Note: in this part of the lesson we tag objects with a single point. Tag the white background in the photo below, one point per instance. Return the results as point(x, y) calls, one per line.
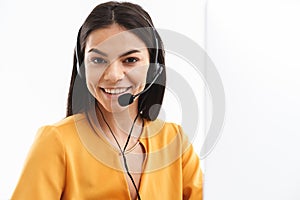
point(255, 45)
point(37, 41)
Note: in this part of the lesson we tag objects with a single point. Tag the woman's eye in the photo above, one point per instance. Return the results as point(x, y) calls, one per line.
point(98, 61)
point(131, 60)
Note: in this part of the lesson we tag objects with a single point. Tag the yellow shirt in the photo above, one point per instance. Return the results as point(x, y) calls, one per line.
point(68, 161)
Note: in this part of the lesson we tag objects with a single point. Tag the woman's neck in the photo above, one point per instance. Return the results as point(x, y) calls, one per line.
point(119, 124)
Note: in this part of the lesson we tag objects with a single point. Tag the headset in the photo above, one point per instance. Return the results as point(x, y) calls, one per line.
point(127, 98)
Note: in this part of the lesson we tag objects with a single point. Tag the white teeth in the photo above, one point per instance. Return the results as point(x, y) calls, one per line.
point(115, 91)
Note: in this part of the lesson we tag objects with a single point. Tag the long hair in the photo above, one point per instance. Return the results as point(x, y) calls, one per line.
point(131, 17)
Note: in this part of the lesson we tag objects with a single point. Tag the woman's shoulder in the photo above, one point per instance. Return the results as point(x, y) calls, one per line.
point(162, 130)
point(69, 121)
point(62, 128)
point(162, 125)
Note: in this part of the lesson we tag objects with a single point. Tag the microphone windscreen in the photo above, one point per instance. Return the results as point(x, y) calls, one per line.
point(125, 99)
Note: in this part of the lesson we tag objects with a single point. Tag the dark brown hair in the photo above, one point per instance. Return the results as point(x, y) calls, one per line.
point(131, 17)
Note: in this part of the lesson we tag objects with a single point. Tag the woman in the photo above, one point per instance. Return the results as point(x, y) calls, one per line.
point(110, 145)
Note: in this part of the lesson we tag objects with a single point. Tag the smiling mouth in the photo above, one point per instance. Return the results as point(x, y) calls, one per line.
point(115, 91)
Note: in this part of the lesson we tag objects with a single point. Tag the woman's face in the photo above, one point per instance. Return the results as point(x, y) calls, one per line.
point(116, 62)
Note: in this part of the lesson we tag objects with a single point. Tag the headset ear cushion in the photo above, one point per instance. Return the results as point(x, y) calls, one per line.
point(152, 71)
point(156, 69)
point(80, 69)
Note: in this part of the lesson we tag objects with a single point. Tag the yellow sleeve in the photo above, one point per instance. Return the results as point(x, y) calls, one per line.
point(43, 175)
point(192, 175)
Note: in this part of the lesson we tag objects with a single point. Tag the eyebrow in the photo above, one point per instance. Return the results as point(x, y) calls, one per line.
point(97, 51)
point(130, 52)
point(122, 55)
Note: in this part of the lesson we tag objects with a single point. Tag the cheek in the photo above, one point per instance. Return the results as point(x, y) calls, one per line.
point(92, 80)
point(93, 76)
point(138, 76)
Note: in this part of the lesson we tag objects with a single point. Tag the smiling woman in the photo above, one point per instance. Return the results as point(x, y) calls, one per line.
point(114, 66)
point(104, 149)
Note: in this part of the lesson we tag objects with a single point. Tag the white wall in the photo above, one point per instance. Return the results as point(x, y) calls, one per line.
point(255, 45)
point(37, 40)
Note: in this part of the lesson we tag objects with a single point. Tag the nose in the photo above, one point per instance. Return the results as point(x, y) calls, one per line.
point(114, 72)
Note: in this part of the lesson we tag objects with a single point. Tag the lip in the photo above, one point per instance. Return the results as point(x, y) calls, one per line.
point(113, 92)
